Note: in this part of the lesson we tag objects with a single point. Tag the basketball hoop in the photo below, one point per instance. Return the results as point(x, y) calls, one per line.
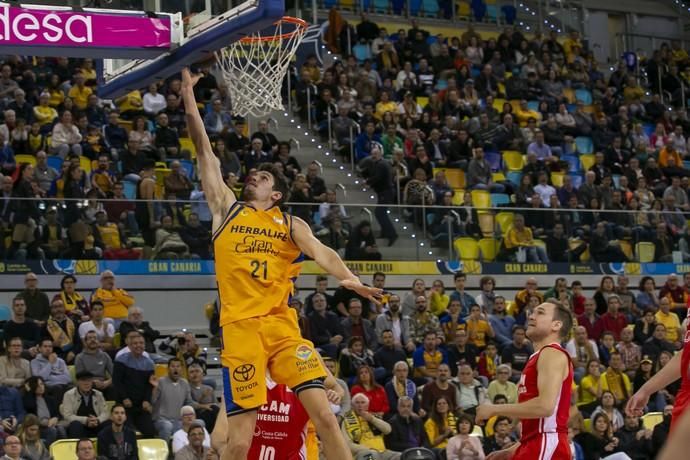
point(254, 67)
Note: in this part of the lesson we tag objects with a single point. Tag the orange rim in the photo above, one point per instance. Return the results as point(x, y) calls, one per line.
point(300, 27)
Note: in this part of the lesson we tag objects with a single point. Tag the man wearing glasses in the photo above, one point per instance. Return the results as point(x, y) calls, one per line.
point(13, 449)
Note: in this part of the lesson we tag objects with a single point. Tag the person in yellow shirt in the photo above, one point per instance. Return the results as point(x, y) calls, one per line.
point(678, 54)
point(130, 105)
point(523, 113)
point(439, 300)
point(441, 424)
point(569, 44)
point(116, 301)
point(520, 237)
point(364, 432)
point(384, 105)
point(589, 390)
point(668, 152)
point(669, 319)
point(80, 92)
point(615, 380)
point(43, 113)
point(478, 329)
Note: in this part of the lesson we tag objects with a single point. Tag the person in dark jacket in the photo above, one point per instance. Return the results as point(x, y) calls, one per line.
point(121, 446)
point(131, 374)
point(380, 179)
point(135, 321)
point(326, 329)
point(634, 439)
point(407, 429)
point(35, 390)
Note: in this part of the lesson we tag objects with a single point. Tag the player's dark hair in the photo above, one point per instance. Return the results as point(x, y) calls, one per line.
point(564, 315)
point(279, 182)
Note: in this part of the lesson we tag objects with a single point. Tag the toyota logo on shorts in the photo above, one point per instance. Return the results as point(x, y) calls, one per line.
point(244, 373)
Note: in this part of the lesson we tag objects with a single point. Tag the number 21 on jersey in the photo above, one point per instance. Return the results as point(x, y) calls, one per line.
point(259, 269)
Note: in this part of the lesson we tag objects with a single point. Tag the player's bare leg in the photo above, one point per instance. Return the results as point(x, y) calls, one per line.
point(316, 403)
point(232, 436)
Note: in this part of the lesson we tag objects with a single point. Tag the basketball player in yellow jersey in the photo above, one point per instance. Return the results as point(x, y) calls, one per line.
point(258, 251)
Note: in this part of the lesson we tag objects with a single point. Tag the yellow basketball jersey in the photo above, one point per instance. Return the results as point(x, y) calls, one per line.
point(257, 262)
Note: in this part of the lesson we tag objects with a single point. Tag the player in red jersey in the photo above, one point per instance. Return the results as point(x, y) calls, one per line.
point(544, 390)
point(281, 431)
point(678, 367)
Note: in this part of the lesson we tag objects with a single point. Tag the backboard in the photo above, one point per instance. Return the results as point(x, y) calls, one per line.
point(209, 26)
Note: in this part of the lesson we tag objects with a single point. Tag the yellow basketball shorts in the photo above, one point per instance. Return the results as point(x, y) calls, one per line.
point(273, 342)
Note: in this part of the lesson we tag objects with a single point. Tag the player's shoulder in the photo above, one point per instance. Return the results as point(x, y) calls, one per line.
point(553, 354)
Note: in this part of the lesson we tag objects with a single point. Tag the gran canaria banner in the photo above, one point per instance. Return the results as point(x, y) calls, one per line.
point(206, 267)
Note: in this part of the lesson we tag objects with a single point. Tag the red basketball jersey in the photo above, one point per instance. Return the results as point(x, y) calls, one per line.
point(281, 427)
point(545, 438)
point(683, 396)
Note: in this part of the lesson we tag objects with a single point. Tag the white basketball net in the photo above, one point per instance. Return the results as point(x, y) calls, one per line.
point(253, 68)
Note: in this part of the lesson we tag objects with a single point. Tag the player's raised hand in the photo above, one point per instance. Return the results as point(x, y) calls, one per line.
point(636, 404)
point(188, 78)
point(371, 293)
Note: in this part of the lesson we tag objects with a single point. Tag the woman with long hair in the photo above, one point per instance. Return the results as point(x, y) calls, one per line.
point(589, 391)
point(366, 383)
point(607, 287)
point(600, 443)
point(642, 375)
point(439, 300)
point(14, 369)
point(607, 405)
point(464, 446)
point(441, 424)
point(229, 161)
point(486, 297)
point(44, 406)
point(647, 297)
point(29, 434)
point(76, 305)
point(669, 393)
point(141, 133)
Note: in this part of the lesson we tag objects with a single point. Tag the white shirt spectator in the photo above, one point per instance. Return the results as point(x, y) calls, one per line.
point(126, 350)
point(106, 330)
point(572, 350)
point(545, 191)
point(180, 440)
point(154, 103)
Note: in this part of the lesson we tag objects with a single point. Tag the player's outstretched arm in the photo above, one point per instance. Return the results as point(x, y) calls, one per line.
point(552, 368)
point(218, 195)
point(330, 261)
point(667, 375)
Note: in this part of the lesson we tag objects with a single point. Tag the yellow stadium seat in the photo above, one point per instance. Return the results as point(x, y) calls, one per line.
point(422, 101)
point(109, 405)
point(19, 159)
point(573, 244)
point(498, 104)
point(458, 196)
point(645, 252)
point(587, 161)
point(72, 373)
point(513, 160)
point(511, 308)
point(488, 248)
point(540, 243)
point(466, 248)
point(627, 249)
point(464, 10)
point(589, 109)
point(588, 425)
point(652, 419)
point(455, 177)
point(153, 449)
point(161, 370)
point(477, 431)
point(85, 165)
point(498, 176)
point(515, 103)
point(557, 179)
point(117, 340)
point(504, 221)
point(64, 449)
point(187, 144)
point(481, 199)
point(569, 94)
point(487, 224)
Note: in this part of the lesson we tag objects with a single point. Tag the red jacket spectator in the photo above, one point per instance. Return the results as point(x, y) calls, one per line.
point(612, 322)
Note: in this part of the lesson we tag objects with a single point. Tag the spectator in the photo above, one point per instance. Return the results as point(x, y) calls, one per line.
point(607, 405)
point(462, 352)
point(394, 320)
point(86, 450)
point(407, 429)
point(451, 321)
point(12, 448)
point(657, 343)
point(634, 439)
point(356, 325)
point(611, 321)
point(169, 394)
point(326, 329)
point(365, 383)
point(502, 438)
point(670, 321)
point(630, 352)
point(472, 393)
point(135, 322)
point(114, 135)
point(615, 380)
point(30, 436)
point(62, 331)
point(96, 362)
point(388, 354)
point(358, 421)
point(203, 396)
point(37, 303)
point(441, 424)
point(502, 385)
point(422, 322)
point(400, 386)
point(116, 301)
point(463, 445)
point(478, 328)
point(519, 238)
point(196, 447)
point(380, 179)
point(65, 137)
point(153, 101)
point(581, 350)
point(132, 373)
point(118, 441)
point(45, 407)
point(14, 369)
point(167, 141)
point(11, 409)
point(466, 300)
point(20, 326)
point(517, 353)
point(355, 356)
point(84, 408)
point(428, 356)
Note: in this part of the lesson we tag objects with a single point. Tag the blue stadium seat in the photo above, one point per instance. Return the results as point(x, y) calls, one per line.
point(616, 180)
point(573, 163)
point(494, 160)
point(55, 162)
point(328, 4)
point(491, 13)
point(514, 177)
point(533, 105)
point(5, 313)
point(499, 199)
point(398, 6)
point(584, 96)
point(381, 6)
point(430, 8)
point(415, 6)
point(188, 167)
point(648, 128)
point(584, 145)
point(509, 14)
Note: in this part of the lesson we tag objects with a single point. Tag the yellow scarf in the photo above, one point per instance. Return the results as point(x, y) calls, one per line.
point(616, 384)
point(58, 334)
point(71, 302)
point(360, 432)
